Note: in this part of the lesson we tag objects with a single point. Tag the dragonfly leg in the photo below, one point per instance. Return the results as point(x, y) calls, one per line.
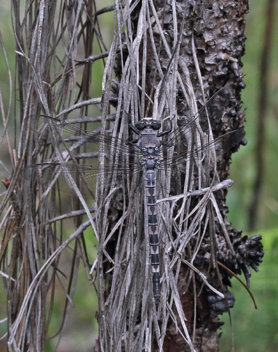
point(134, 129)
point(168, 144)
point(132, 142)
point(166, 131)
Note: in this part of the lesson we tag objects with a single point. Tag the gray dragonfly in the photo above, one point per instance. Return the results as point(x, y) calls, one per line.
point(146, 155)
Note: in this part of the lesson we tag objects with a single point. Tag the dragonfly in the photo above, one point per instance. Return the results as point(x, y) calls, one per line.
point(147, 155)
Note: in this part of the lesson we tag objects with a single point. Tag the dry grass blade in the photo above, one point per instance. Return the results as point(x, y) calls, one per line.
point(50, 37)
point(243, 284)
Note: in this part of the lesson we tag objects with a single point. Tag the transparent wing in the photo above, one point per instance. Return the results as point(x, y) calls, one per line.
point(80, 150)
point(213, 107)
point(184, 137)
point(220, 145)
point(57, 175)
point(72, 137)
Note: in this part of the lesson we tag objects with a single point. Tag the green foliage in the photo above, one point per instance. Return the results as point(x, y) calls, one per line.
point(243, 166)
point(256, 330)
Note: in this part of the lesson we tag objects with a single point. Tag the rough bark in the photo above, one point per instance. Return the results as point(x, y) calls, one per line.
point(203, 42)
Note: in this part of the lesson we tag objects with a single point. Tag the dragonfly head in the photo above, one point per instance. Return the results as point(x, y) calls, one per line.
point(148, 122)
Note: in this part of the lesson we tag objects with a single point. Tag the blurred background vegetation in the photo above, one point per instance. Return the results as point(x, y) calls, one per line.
point(257, 330)
point(254, 330)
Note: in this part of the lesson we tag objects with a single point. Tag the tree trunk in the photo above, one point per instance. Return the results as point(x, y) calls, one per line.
point(171, 60)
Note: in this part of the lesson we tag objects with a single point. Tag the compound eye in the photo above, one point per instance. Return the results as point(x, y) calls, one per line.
point(155, 125)
point(140, 125)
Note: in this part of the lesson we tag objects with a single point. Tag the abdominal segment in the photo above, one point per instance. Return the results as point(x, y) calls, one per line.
point(150, 186)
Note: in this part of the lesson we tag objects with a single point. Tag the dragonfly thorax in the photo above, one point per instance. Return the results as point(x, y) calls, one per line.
point(149, 142)
point(149, 145)
point(150, 163)
point(150, 151)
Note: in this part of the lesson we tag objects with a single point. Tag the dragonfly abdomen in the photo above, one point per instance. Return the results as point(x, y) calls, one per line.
point(150, 187)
